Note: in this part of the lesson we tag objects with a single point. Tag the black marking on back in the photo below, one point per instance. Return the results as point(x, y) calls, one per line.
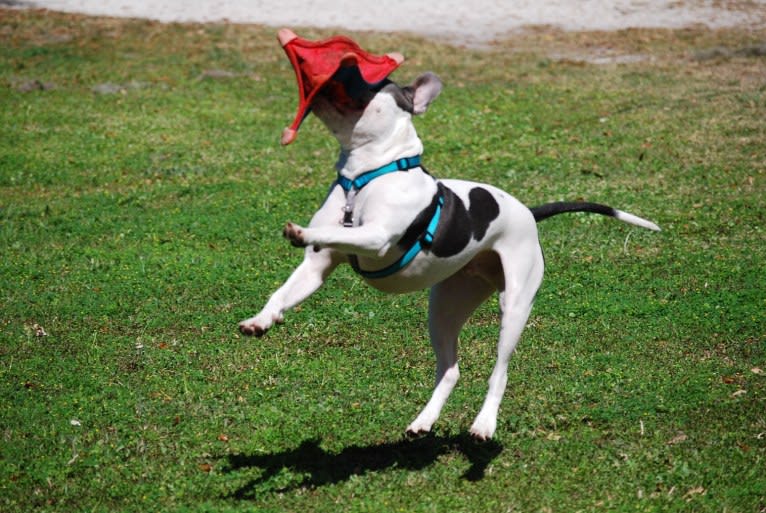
point(459, 225)
point(483, 210)
point(418, 226)
point(454, 231)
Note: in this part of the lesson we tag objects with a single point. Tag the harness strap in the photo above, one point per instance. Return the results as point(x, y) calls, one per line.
point(423, 242)
point(352, 187)
point(360, 181)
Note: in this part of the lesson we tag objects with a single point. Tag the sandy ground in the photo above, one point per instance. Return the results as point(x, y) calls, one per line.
point(461, 21)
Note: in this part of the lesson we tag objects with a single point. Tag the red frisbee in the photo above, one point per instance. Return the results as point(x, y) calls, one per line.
point(315, 63)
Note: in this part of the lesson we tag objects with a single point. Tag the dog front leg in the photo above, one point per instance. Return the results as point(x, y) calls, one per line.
point(304, 281)
point(367, 240)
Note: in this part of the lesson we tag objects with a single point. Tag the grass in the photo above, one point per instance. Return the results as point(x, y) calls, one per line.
point(141, 202)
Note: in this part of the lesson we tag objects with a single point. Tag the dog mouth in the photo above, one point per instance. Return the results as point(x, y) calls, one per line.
point(347, 91)
point(336, 94)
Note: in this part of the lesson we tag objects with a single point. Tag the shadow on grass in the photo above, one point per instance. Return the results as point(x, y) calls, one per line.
point(309, 465)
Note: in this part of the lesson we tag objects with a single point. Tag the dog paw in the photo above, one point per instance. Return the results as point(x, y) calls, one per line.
point(418, 428)
point(251, 329)
point(413, 433)
point(258, 326)
point(483, 431)
point(480, 437)
point(294, 234)
point(255, 326)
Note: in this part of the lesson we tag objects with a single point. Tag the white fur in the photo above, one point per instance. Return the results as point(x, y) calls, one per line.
point(638, 221)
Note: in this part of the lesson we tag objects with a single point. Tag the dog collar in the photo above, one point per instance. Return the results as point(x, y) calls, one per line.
point(353, 186)
point(360, 181)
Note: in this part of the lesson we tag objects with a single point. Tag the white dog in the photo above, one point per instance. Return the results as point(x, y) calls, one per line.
point(403, 230)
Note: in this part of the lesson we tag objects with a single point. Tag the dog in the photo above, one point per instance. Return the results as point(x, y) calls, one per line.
point(404, 230)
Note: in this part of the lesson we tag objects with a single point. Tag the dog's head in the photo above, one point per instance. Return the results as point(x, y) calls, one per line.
point(358, 113)
point(349, 90)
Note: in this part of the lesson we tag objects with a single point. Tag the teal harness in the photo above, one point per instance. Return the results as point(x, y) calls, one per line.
point(360, 181)
point(351, 187)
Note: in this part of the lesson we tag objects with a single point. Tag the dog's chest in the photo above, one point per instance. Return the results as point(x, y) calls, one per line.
point(464, 220)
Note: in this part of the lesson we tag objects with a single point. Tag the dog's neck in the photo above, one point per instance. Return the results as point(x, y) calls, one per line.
point(403, 142)
point(371, 138)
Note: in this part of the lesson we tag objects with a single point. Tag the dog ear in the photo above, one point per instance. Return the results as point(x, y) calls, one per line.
point(427, 87)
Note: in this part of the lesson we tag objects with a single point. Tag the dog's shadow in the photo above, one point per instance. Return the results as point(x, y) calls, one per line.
point(310, 466)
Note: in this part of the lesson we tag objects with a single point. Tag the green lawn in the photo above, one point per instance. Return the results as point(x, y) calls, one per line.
point(142, 196)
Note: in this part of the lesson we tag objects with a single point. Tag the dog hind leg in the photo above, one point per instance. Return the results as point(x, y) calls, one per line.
point(451, 304)
point(523, 271)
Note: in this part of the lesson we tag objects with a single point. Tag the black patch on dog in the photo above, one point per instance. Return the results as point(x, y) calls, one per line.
point(459, 225)
point(483, 210)
point(417, 228)
point(454, 230)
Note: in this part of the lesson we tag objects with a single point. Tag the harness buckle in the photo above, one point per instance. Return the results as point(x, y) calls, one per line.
point(348, 216)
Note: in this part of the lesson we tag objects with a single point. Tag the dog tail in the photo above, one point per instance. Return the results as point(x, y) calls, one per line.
point(561, 207)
